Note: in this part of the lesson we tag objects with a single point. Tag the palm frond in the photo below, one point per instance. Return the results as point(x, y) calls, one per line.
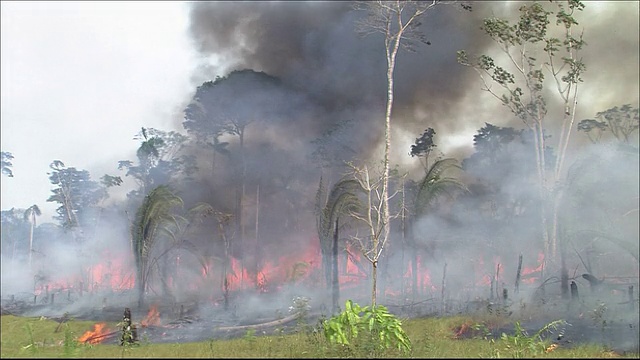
point(342, 199)
point(433, 185)
point(153, 215)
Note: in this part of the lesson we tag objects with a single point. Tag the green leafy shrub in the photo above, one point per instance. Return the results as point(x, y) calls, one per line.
point(369, 328)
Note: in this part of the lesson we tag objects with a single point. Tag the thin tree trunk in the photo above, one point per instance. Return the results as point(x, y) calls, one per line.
point(239, 208)
point(518, 274)
point(225, 265)
point(257, 250)
point(443, 292)
point(31, 241)
point(414, 264)
point(402, 243)
point(335, 278)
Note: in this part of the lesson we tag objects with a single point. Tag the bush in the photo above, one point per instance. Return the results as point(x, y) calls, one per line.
point(371, 329)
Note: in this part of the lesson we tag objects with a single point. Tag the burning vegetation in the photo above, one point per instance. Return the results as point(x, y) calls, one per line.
point(274, 192)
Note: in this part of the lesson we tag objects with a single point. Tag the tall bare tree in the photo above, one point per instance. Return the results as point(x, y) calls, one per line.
point(399, 22)
point(374, 217)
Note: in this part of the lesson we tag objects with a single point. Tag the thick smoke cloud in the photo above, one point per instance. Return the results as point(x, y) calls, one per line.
point(313, 47)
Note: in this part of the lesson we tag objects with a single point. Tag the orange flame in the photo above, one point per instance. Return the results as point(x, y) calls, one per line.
point(96, 336)
point(152, 318)
point(530, 272)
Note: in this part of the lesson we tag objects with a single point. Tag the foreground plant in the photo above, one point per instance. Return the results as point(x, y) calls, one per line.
point(370, 327)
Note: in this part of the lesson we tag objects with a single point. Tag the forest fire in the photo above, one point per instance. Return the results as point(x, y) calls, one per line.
point(109, 275)
point(530, 272)
point(112, 275)
point(96, 335)
point(152, 318)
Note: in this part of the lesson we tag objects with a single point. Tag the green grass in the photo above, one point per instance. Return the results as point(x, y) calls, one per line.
point(431, 338)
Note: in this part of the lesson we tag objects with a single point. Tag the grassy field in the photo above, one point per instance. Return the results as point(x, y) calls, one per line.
point(430, 337)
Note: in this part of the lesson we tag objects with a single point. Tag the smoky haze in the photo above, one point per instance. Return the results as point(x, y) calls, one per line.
point(332, 86)
point(314, 48)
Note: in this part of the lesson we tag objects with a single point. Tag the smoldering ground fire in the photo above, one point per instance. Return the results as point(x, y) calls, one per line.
point(331, 86)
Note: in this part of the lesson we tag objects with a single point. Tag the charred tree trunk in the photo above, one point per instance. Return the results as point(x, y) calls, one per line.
point(257, 253)
point(574, 290)
point(335, 286)
point(564, 273)
point(518, 275)
point(443, 293)
point(240, 190)
point(129, 331)
point(225, 265)
point(414, 263)
point(141, 282)
point(593, 281)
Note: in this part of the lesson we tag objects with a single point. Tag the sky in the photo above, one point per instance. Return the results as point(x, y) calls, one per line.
point(79, 79)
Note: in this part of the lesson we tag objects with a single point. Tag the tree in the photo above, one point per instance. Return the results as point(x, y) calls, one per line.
point(152, 220)
point(30, 216)
point(523, 89)
point(504, 164)
point(621, 121)
point(333, 147)
point(229, 105)
point(373, 217)
point(602, 184)
point(202, 210)
point(423, 147)
point(399, 22)
point(601, 199)
point(5, 163)
point(426, 192)
point(158, 160)
point(14, 227)
point(435, 184)
point(78, 196)
point(342, 200)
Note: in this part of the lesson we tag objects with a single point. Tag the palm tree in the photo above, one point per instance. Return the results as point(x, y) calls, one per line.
point(30, 216)
point(430, 188)
point(152, 219)
point(434, 184)
point(342, 199)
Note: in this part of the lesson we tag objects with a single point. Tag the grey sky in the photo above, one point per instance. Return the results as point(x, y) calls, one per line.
point(79, 79)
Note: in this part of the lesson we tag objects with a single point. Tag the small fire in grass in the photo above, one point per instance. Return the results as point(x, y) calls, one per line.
point(96, 335)
point(152, 318)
